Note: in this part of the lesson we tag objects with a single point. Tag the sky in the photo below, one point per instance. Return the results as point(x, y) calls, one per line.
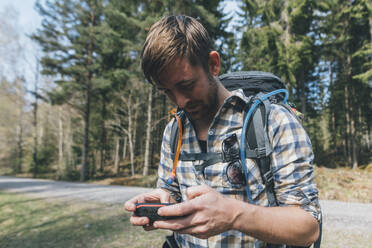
point(29, 19)
point(27, 23)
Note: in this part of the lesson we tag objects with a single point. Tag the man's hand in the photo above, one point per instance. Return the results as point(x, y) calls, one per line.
point(206, 212)
point(155, 196)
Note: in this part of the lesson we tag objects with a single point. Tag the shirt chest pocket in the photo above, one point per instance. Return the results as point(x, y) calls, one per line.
point(225, 177)
point(229, 179)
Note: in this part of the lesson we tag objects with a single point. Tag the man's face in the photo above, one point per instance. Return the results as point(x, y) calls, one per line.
point(190, 88)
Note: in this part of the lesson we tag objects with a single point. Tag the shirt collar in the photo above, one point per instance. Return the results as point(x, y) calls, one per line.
point(238, 99)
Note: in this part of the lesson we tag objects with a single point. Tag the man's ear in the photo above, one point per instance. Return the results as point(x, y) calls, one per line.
point(214, 63)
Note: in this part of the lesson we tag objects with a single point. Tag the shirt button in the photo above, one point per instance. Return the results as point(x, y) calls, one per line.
point(211, 132)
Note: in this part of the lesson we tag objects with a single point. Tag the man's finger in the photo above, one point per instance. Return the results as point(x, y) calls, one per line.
point(175, 224)
point(130, 205)
point(179, 209)
point(187, 225)
point(139, 221)
point(157, 195)
point(164, 196)
point(195, 191)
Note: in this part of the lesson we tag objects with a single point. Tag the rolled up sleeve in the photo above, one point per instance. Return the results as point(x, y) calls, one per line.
point(292, 162)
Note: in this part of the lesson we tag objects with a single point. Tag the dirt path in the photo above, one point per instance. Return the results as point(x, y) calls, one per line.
point(345, 224)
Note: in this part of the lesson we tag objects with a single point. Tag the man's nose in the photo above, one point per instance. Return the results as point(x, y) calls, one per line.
point(181, 100)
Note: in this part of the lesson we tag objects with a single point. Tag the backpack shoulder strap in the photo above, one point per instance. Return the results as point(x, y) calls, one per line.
point(258, 147)
point(174, 132)
point(209, 157)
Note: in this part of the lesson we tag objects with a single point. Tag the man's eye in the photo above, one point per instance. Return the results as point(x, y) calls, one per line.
point(188, 85)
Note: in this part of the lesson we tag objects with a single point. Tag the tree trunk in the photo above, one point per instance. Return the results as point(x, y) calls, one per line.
point(41, 126)
point(84, 173)
point(85, 164)
point(125, 148)
point(286, 34)
point(348, 128)
point(60, 145)
point(69, 161)
point(353, 132)
point(134, 124)
point(351, 155)
point(368, 134)
point(117, 157)
point(103, 147)
point(130, 134)
point(303, 94)
point(18, 168)
point(148, 135)
point(131, 151)
point(35, 123)
point(332, 110)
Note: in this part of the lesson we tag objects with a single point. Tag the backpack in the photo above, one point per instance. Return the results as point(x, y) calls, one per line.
point(263, 89)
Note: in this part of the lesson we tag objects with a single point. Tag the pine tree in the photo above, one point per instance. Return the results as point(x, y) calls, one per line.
point(68, 38)
point(279, 39)
point(346, 36)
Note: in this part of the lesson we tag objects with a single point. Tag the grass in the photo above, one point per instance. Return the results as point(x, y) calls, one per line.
point(27, 222)
point(345, 184)
point(342, 238)
point(37, 223)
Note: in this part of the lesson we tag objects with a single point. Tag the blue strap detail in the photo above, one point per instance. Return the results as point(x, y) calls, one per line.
point(244, 129)
point(170, 180)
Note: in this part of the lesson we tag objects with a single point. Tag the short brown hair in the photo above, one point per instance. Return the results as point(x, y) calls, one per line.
point(175, 37)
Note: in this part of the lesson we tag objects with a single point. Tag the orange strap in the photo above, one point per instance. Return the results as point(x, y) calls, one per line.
point(179, 143)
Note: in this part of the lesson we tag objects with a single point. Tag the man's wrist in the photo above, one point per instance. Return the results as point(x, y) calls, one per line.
point(244, 216)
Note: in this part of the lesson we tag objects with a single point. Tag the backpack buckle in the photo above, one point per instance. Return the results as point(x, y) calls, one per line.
point(260, 152)
point(269, 177)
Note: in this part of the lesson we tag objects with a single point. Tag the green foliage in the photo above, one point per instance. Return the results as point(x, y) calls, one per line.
point(322, 50)
point(279, 39)
point(345, 35)
point(45, 158)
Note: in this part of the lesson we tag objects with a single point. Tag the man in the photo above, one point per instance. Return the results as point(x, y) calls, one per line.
point(178, 58)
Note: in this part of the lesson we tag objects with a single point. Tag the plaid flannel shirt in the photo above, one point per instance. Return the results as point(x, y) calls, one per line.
point(291, 161)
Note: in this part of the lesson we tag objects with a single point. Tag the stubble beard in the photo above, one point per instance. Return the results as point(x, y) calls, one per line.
point(212, 98)
point(210, 107)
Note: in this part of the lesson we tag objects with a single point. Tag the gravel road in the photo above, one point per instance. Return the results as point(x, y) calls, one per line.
point(82, 191)
point(345, 224)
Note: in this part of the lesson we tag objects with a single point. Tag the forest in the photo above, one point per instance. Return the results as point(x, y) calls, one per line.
point(90, 113)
